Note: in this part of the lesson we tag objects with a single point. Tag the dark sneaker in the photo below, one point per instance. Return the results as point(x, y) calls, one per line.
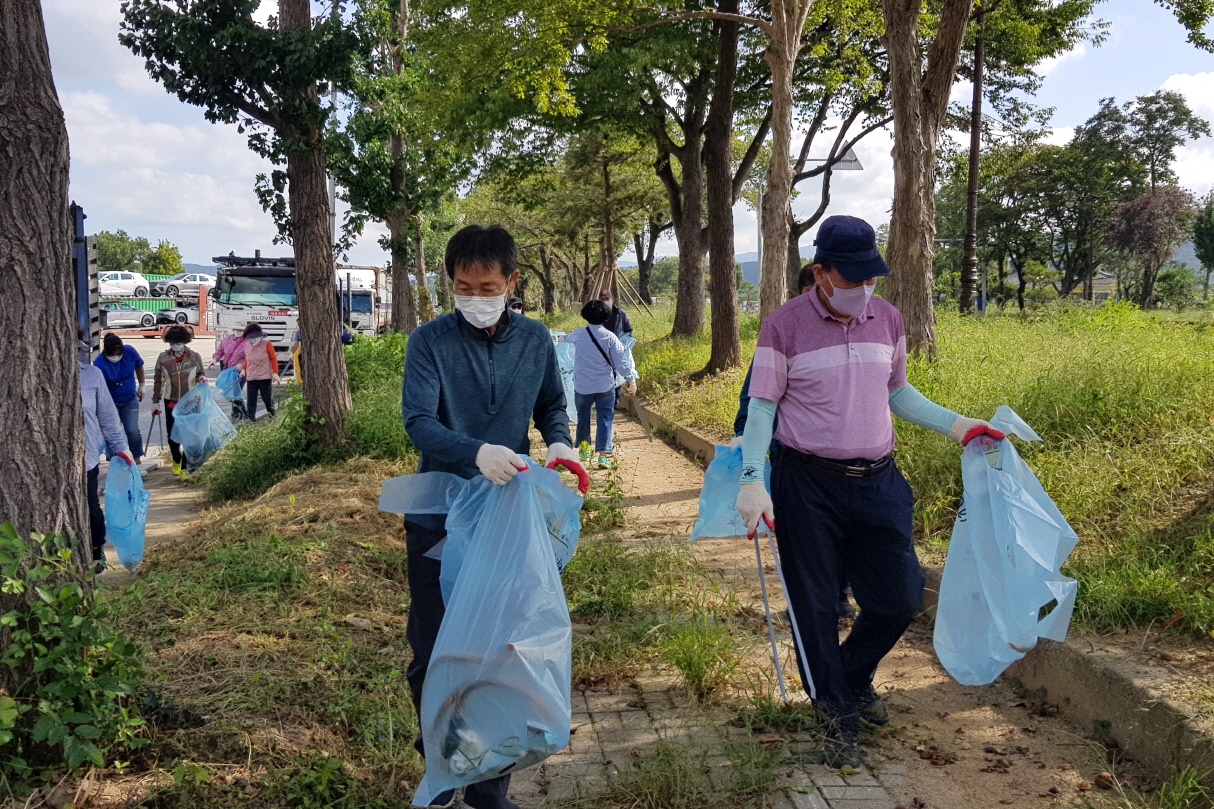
point(841, 747)
point(872, 709)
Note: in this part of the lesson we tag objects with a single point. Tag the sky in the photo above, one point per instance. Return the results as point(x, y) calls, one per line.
point(146, 163)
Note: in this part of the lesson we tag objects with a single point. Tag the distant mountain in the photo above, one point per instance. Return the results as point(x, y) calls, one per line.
point(1187, 254)
point(750, 264)
point(207, 268)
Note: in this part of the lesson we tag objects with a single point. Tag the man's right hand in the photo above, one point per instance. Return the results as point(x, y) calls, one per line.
point(497, 463)
point(156, 410)
point(754, 503)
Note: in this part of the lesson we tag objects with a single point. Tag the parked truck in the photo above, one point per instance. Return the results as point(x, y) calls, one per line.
point(257, 290)
point(361, 292)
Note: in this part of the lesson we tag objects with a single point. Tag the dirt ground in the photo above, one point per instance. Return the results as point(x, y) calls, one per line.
point(961, 747)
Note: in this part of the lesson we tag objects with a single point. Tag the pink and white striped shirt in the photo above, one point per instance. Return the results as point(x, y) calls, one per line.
point(831, 380)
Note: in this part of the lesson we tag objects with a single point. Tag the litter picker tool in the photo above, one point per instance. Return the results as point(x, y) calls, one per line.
point(155, 421)
point(642, 417)
point(792, 618)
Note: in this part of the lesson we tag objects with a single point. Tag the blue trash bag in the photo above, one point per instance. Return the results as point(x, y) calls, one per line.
point(719, 515)
point(228, 384)
point(200, 426)
point(1008, 546)
point(497, 691)
point(564, 358)
point(629, 341)
point(126, 513)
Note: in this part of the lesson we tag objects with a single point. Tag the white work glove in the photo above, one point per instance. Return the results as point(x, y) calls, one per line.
point(277, 379)
point(965, 429)
point(631, 388)
point(139, 394)
point(498, 463)
point(559, 451)
point(736, 442)
point(754, 503)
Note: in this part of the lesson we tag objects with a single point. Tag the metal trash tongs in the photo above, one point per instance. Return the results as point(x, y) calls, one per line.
point(771, 630)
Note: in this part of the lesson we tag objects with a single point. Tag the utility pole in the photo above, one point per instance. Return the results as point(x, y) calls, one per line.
point(969, 260)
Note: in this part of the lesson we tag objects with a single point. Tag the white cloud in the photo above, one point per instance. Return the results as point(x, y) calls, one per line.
point(1048, 66)
point(1194, 164)
point(1060, 135)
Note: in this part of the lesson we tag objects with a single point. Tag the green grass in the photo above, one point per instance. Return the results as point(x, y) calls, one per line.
point(1123, 399)
point(1185, 788)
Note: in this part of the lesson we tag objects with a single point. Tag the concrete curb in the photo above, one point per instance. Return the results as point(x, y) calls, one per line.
point(1087, 689)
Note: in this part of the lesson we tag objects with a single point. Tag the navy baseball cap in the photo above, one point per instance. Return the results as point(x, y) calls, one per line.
point(849, 244)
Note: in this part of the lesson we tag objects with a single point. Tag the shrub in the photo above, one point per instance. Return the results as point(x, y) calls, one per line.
point(77, 675)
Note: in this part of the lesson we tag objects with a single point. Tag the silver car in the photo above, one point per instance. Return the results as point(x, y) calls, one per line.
point(185, 315)
point(125, 316)
point(183, 284)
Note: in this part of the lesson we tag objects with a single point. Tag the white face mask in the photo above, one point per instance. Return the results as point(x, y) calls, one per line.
point(177, 348)
point(852, 302)
point(481, 312)
point(256, 341)
point(113, 359)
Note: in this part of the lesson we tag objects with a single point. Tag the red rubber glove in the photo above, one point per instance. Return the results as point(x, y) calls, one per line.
point(981, 429)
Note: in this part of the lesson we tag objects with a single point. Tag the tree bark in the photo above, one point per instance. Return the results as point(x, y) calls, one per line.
point(718, 154)
point(547, 282)
point(690, 235)
point(969, 261)
point(42, 460)
point(787, 24)
point(425, 307)
point(326, 385)
point(404, 308)
point(920, 99)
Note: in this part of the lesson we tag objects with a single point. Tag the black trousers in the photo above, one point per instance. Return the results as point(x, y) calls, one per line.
point(831, 528)
point(253, 387)
point(426, 612)
point(96, 515)
point(174, 448)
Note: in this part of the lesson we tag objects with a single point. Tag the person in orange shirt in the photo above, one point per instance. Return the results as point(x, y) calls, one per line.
point(259, 370)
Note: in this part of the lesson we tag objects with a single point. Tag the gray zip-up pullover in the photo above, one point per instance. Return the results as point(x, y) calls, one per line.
point(464, 389)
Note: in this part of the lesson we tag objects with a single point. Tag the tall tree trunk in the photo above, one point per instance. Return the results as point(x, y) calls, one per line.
point(1146, 293)
point(794, 256)
point(644, 266)
point(969, 261)
point(718, 152)
point(448, 301)
point(687, 210)
point(42, 461)
point(547, 282)
point(425, 308)
point(788, 23)
point(920, 99)
point(326, 385)
point(404, 308)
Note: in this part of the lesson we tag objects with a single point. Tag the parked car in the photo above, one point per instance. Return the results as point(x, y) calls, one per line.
point(123, 283)
point(183, 284)
point(123, 315)
point(185, 315)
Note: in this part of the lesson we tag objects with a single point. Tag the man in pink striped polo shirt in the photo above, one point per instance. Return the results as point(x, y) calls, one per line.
point(832, 365)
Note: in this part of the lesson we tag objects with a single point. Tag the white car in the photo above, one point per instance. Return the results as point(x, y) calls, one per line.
point(123, 283)
point(123, 315)
point(185, 315)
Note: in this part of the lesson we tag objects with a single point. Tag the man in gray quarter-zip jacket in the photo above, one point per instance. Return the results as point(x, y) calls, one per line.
point(474, 381)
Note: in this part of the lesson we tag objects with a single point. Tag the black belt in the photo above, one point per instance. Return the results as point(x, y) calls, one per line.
point(865, 471)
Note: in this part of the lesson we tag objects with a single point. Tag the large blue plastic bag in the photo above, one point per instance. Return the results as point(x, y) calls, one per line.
point(719, 515)
point(126, 513)
point(200, 426)
point(228, 384)
point(1008, 546)
point(564, 358)
point(629, 364)
point(497, 692)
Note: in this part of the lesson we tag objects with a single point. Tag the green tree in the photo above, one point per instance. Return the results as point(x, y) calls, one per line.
point(1203, 239)
point(164, 260)
point(265, 78)
point(397, 156)
point(1158, 124)
point(118, 252)
point(1176, 287)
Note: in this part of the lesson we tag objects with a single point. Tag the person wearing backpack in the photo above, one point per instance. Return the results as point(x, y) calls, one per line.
point(259, 370)
point(598, 358)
